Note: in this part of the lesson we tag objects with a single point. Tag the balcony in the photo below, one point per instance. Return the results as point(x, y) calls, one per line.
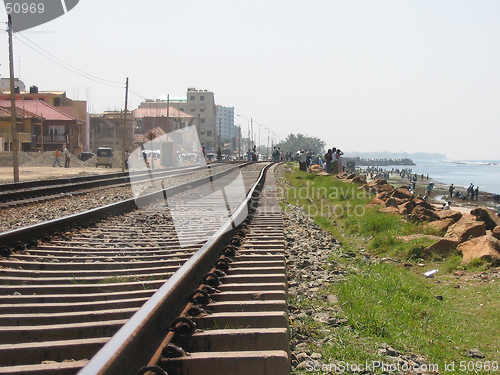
point(23, 137)
point(53, 138)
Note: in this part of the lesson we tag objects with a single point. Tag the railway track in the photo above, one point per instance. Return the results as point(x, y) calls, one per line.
point(30, 192)
point(121, 280)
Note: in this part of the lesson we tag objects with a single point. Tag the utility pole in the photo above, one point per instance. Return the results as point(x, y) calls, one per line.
point(124, 140)
point(239, 141)
point(41, 131)
point(251, 123)
point(13, 124)
point(218, 135)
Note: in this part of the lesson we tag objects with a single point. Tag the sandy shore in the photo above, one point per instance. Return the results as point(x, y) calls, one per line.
point(45, 173)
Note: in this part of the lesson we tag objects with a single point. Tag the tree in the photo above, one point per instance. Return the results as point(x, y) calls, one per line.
point(294, 143)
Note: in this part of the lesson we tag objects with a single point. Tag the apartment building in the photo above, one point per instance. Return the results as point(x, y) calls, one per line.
point(227, 132)
point(201, 105)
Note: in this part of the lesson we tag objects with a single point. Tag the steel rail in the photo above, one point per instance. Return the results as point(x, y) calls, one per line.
point(34, 184)
point(137, 341)
point(69, 185)
point(20, 238)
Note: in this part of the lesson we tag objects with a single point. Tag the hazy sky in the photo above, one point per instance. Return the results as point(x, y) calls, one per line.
point(361, 75)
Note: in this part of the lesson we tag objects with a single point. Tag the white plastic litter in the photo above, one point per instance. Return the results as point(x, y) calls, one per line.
point(430, 273)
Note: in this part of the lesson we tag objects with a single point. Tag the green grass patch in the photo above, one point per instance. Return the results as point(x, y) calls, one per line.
point(389, 303)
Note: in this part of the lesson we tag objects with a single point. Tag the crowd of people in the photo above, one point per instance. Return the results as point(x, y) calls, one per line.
point(472, 192)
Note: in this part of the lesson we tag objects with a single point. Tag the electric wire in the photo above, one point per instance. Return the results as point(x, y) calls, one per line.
point(67, 66)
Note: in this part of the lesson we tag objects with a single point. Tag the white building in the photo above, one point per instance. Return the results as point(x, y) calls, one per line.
point(227, 132)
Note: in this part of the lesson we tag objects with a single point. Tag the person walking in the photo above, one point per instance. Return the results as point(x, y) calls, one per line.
point(67, 157)
point(56, 160)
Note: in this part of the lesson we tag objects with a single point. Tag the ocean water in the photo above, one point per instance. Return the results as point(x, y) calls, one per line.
point(482, 173)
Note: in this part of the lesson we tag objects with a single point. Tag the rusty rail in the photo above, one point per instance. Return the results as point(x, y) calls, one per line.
point(136, 342)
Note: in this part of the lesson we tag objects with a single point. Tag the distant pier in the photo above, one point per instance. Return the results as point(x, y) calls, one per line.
point(379, 162)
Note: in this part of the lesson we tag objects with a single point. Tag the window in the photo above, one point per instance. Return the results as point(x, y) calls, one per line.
point(202, 108)
point(191, 97)
point(209, 133)
point(56, 130)
point(202, 121)
point(57, 102)
point(202, 97)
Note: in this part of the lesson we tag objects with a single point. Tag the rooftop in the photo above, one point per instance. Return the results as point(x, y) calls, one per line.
point(41, 109)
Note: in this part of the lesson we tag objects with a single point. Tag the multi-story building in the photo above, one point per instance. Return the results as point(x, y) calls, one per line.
point(106, 130)
point(201, 105)
point(228, 135)
point(41, 126)
point(58, 100)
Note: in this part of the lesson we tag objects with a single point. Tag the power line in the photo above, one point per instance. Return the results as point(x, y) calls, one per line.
point(68, 66)
point(136, 93)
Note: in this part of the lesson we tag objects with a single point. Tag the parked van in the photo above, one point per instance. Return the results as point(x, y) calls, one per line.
point(104, 157)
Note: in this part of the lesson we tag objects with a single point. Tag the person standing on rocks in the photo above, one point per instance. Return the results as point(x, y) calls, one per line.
point(303, 161)
point(470, 191)
point(340, 168)
point(56, 160)
point(450, 189)
point(328, 161)
point(429, 188)
point(335, 162)
point(67, 157)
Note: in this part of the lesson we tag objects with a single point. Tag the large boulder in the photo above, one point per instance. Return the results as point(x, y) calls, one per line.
point(377, 186)
point(464, 230)
point(406, 207)
point(390, 210)
point(315, 168)
point(442, 225)
point(402, 192)
point(376, 202)
point(422, 214)
point(393, 202)
point(420, 202)
point(489, 217)
point(484, 247)
point(496, 232)
point(443, 246)
point(445, 214)
point(359, 179)
point(384, 195)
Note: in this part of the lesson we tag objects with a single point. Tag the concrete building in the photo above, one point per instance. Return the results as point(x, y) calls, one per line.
point(106, 130)
point(5, 85)
point(201, 105)
point(227, 133)
point(168, 119)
